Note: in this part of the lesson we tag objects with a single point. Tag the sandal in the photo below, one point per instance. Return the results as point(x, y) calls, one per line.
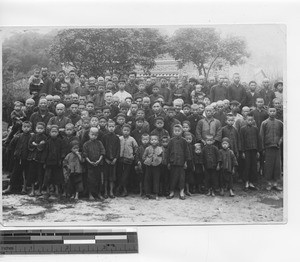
point(182, 197)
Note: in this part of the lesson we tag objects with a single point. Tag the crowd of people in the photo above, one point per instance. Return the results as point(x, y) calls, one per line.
point(81, 136)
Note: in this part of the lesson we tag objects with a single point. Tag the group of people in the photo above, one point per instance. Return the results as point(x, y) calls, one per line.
point(116, 135)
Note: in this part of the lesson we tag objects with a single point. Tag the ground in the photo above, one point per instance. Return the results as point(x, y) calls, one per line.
point(258, 206)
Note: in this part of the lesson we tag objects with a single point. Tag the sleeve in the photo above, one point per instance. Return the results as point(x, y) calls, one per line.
point(45, 154)
point(212, 94)
point(259, 141)
point(218, 155)
point(244, 97)
point(242, 140)
point(102, 149)
point(85, 152)
point(31, 147)
point(66, 161)
point(218, 131)
point(262, 135)
point(145, 154)
point(199, 130)
point(50, 122)
point(234, 160)
point(238, 141)
point(187, 152)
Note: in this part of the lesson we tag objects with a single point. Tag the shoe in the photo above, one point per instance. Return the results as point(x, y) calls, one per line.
point(188, 194)
point(231, 194)
point(182, 197)
point(213, 194)
point(111, 196)
point(170, 197)
point(252, 187)
point(106, 196)
point(268, 188)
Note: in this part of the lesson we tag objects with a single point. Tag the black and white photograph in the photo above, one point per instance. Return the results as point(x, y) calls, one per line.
point(156, 125)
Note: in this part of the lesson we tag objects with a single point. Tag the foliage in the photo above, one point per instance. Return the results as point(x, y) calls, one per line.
point(94, 51)
point(204, 47)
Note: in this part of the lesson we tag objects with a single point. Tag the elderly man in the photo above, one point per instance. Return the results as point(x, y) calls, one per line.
point(236, 91)
point(266, 93)
point(60, 119)
point(42, 115)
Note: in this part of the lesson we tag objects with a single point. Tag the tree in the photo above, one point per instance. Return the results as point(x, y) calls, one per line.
point(95, 51)
point(204, 47)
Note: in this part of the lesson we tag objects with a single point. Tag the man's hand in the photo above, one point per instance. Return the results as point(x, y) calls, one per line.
point(34, 143)
point(243, 155)
point(218, 167)
point(42, 142)
point(169, 166)
point(257, 155)
point(113, 162)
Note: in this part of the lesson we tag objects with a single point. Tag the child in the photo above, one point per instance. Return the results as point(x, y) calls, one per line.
point(228, 163)
point(53, 160)
point(271, 133)
point(141, 113)
point(186, 127)
point(141, 93)
point(199, 172)
point(92, 93)
point(189, 172)
point(159, 130)
point(122, 94)
point(93, 151)
point(36, 148)
point(177, 156)
point(73, 115)
point(17, 117)
point(74, 170)
point(69, 138)
point(250, 148)
point(103, 124)
point(178, 107)
point(106, 111)
point(170, 120)
point(140, 167)
point(186, 110)
point(83, 114)
point(152, 159)
point(90, 108)
point(259, 113)
point(111, 143)
point(211, 163)
point(155, 94)
point(19, 147)
point(139, 130)
point(165, 172)
point(120, 119)
point(128, 151)
point(232, 134)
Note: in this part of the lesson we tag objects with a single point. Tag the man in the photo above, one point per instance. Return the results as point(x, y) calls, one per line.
point(82, 88)
point(47, 88)
point(236, 91)
point(251, 95)
point(60, 119)
point(205, 86)
point(57, 85)
point(131, 86)
point(219, 91)
point(42, 115)
point(109, 102)
point(74, 84)
point(266, 93)
point(165, 91)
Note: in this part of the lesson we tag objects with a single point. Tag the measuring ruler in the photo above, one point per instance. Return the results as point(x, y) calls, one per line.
point(68, 241)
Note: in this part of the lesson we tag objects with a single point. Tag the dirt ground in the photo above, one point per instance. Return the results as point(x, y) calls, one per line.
point(246, 207)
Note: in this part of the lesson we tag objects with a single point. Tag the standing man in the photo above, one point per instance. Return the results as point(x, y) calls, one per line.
point(131, 86)
point(236, 91)
point(74, 84)
point(47, 88)
point(266, 93)
point(57, 85)
point(219, 91)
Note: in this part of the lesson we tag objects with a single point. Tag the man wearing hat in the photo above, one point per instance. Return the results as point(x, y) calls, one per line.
point(236, 91)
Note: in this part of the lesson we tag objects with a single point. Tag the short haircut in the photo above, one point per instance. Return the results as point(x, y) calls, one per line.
point(260, 98)
point(194, 106)
point(111, 122)
point(69, 125)
point(53, 127)
point(27, 123)
point(41, 124)
point(90, 102)
point(252, 82)
point(126, 126)
point(106, 107)
point(187, 134)
point(86, 119)
point(186, 122)
point(145, 134)
point(154, 135)
point(209, 137)
point(177, 126)
point(186, 105)
point(94, 130)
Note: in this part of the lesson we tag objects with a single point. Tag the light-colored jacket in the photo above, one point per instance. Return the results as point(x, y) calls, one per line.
point(153, 156)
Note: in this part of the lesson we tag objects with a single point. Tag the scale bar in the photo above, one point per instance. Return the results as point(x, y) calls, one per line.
point(80, 241)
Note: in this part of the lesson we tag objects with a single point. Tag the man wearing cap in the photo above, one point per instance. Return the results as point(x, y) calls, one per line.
point(236, 91)
point(266, 93)
point(278, 86)
point(47, 88)
point(122, 94)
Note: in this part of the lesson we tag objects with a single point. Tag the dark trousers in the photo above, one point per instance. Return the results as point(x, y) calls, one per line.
point(250, 171)
point(123, 173)
point(226, 179)
point(177, 177)
point(20, 171)
point(199, 175)
point(36, 173)
point(272, 165)
point(93, 179)
point(75, 183)
point(152, 177)
point(53, 175)
point(165, 179)
point(211, 178)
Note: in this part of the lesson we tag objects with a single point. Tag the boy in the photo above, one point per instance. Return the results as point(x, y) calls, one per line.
point(52, 158)
point(122, 94)
point(19, 147)
point(159, 130)
point(152, 159)
point(140, 167)
point(199, 172)
point(186, 110)
point(139, 130)
point(73, 114)
point(177, 156)
point(93, 151)
point(111, 143)
point(178, 107)
point(259, 113)
point(170, 120)
point(165, 173)
point(90, 107)
point(74, 170)
point(36, 147)
point(120, 119)
point(251, 95)
point(106, 111)
point(157, 111)
point(69, 138)
point(235, 108)
point(211, 163)
point(232, 134)
point(128, 151)
point(141, 93)
point(103, 124)
point(92, 93)
point(271, 133)
point(83, 114)
point(228, 163)
point(155, 95)
point(250, 148)
point(17, 117)
point(189, 171)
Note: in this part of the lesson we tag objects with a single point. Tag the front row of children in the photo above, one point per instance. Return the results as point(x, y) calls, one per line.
point(103, 166)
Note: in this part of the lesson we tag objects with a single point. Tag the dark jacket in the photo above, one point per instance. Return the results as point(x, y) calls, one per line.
point(178, 152)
